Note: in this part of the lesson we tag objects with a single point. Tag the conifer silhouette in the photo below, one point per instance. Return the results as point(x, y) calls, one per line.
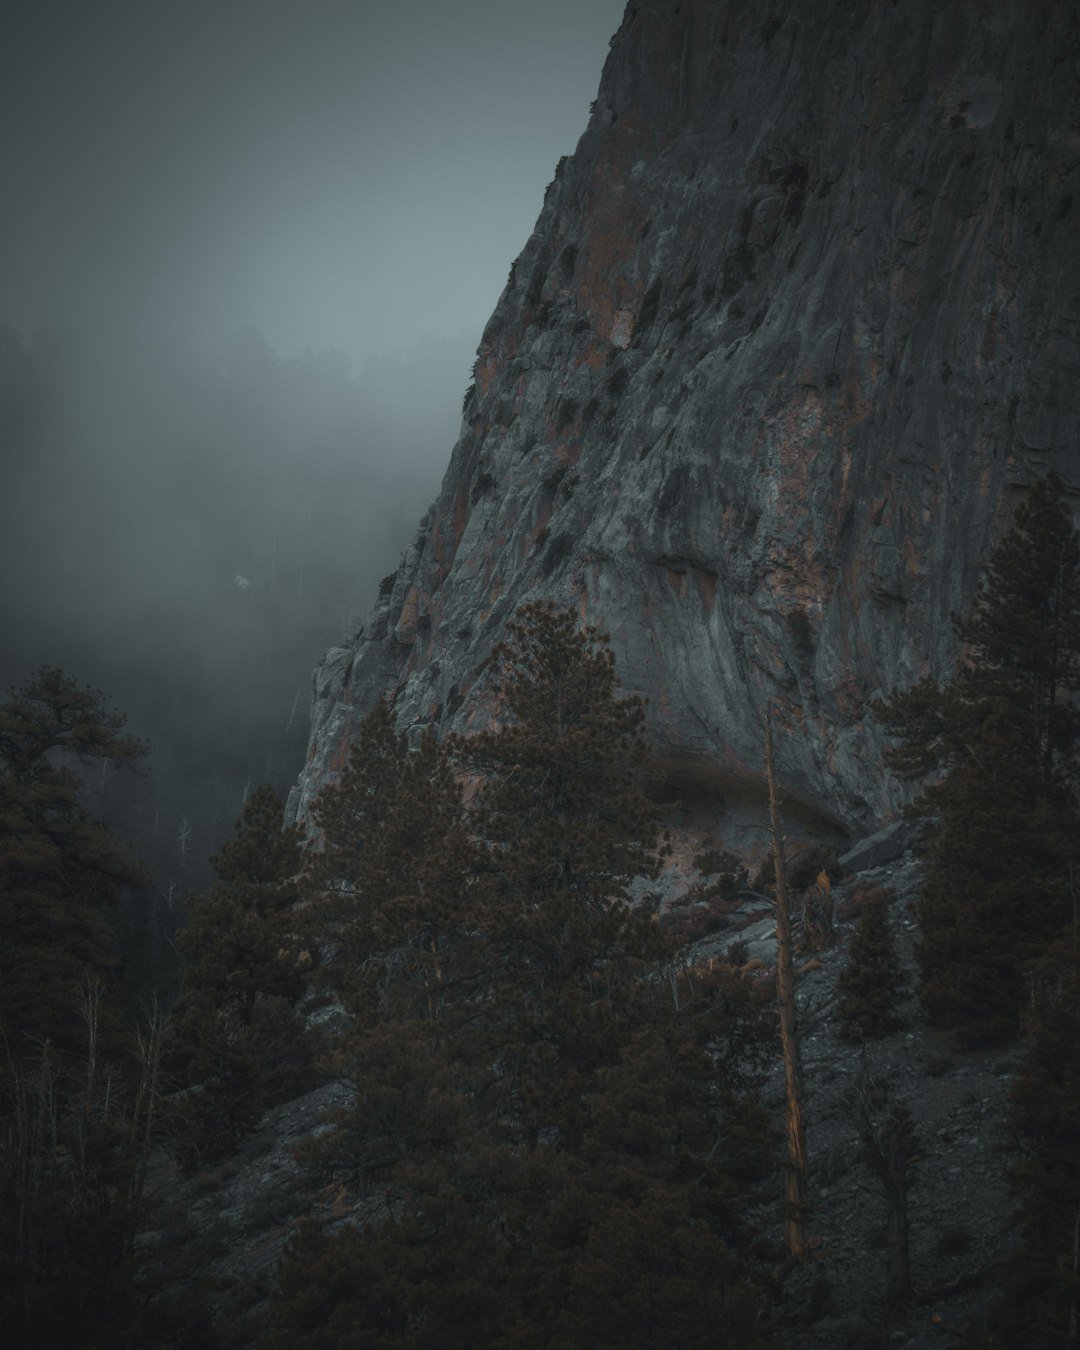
point(235, 1041)
point(79, 1093)
point(562, 802)
point(61, 871)
point(1041, 1281)
point(998, 743)
point(553, 1135)
point(872, 980)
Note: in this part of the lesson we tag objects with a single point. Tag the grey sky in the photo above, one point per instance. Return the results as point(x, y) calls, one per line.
point(334, 173)
point(176, 178)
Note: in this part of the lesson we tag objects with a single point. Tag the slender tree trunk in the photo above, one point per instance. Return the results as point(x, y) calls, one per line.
point(147, 1101)
point(891, 1151)
point(795, 1189)
point(898, 1288)
point(1074, 1320)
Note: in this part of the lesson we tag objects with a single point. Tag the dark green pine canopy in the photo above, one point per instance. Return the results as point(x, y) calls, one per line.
point(998, 746)
point(554, 1135)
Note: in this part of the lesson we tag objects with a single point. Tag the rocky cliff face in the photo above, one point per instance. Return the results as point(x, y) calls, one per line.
point(797, 324)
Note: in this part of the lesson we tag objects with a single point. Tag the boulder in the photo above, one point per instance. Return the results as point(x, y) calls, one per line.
point(881, 847)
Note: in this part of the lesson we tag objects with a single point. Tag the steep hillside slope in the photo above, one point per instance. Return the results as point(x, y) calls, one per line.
point(232, 1222)
point(797, 323)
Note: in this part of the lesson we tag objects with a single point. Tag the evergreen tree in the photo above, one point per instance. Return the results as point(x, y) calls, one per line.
point(1041, 1282)
point(872, 980)
point(235, 1039)
point(999, 741)
point(79, 1094)
point(553, 1137)
point(60, 871)
point(392, 896)
point(1024, 633)
point(562, 803)
point(393, 856)
point(562, 810)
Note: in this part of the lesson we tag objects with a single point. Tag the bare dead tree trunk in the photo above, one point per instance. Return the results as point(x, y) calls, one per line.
point(894, 1177)
point(1073, 1318)
point(795, 1188)
point(144, 1111)
point(890, 1150)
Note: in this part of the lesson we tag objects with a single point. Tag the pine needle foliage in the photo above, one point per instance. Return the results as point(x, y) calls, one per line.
point(79, 1092)
point(554, 1135)
point(394, 860)
point(1040, 1301)
point(60, 872)
point(873, 980)
point(235, 1040)
point(567, 826)
point(393, 899)
point(562, 805)
point(237, 936)
point(996, 751)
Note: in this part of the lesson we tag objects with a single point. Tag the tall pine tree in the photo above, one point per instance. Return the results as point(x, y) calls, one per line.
point(393, 850)
point(60, 871)
point(873, 980)
point(79, 1093)
point(553, 1135)
point(562, 804)
point(999, 743)
point(1041, 1283)
point(235, 1039)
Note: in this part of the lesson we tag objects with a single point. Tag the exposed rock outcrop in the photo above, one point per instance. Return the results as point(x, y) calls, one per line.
point(797, 324)
point(879, 848)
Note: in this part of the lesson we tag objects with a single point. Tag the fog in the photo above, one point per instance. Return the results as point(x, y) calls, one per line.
point(246, 255)
point(188, 536)
point(344, 174)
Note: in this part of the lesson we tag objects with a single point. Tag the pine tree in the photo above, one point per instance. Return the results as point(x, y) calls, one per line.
point(393, 856)
point(392, 895)
point(235, 1040)
point(562, 810)
point(999, 741)
point(79, 1093)
point(562, 803)
point(553, 1135)
point(238, 935)
point(60, 871)
point(1041, 1281)
point(872, 980)
point(1024, 632)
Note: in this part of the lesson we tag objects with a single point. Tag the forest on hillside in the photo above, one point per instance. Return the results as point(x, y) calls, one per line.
point(554, 1133)
point(189, 532)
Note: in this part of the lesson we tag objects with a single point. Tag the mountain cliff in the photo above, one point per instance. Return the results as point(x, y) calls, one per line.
point(797, 324)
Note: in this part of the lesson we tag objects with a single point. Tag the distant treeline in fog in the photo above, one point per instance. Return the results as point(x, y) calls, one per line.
point(189, 533)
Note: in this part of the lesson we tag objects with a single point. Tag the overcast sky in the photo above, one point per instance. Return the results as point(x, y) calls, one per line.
point(335, 173)
point(189, 516)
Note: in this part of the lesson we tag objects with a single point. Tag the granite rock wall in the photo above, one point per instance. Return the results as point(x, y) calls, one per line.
point(797, 324)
